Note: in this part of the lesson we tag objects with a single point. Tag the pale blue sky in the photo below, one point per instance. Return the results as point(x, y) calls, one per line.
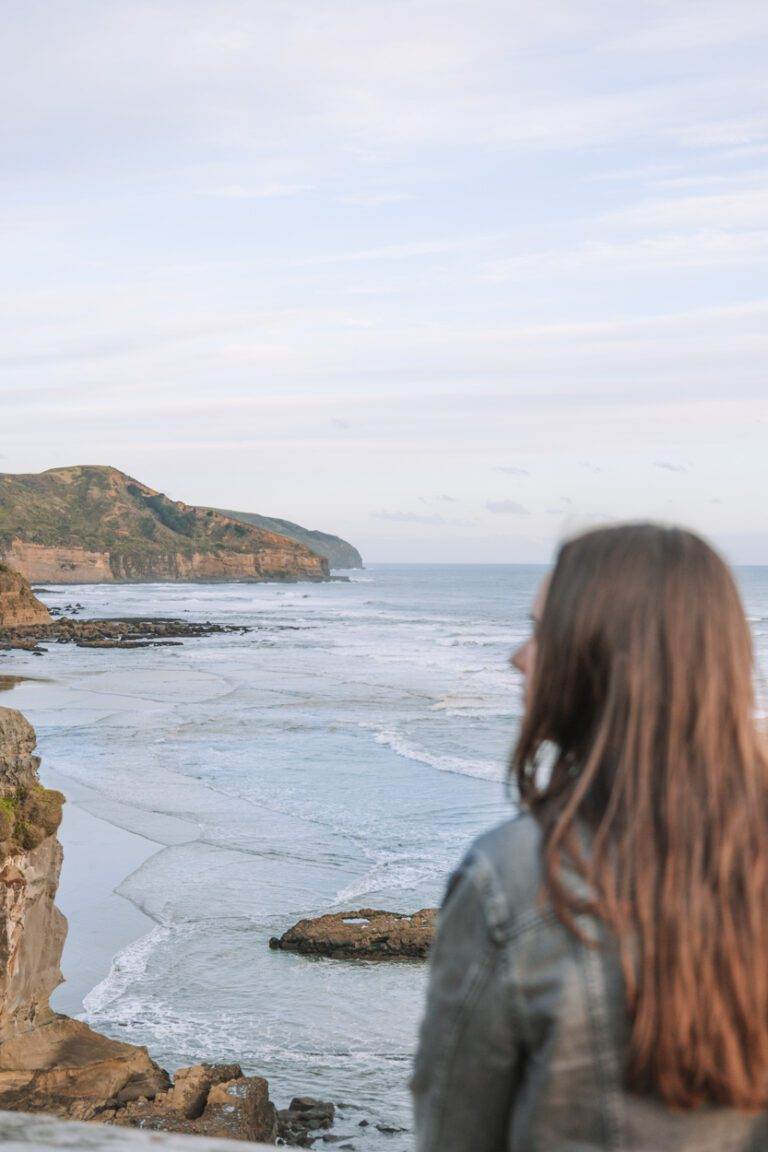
point(449, 278)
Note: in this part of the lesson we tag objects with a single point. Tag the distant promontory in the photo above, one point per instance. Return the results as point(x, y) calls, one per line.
point(339, 553)
point(94, 525)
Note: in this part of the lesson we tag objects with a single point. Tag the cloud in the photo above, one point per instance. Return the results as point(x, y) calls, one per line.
point(408, 517)
point(373, 199)
point(506, 508)
point(415, 250)
point(268, 191)
point(715, 134)
point(258, 76)
point(565, 507)
point(742, 210)
point(712, 248)
point(668, 466)
point(434, 519)
point(293, 203)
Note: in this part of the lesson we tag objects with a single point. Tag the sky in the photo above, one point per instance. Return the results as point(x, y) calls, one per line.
point(451, 278)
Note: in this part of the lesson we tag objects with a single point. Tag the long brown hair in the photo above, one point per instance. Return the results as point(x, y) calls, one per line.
point(643, 686)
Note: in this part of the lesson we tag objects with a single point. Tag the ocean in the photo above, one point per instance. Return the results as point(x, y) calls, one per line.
point(342, 754)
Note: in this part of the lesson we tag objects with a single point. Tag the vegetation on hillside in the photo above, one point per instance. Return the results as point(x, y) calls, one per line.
point(339, 553)
point(27, 816)
point(102, 510)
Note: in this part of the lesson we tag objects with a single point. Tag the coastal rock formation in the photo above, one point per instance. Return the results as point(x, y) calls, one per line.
point(49, 1062)
point(32, 930)
point(368, 934)
point(206, 1100)
point(18, 603)
point(299, 1123)
point(95, 524)
point(339, 553)
point(128, 632)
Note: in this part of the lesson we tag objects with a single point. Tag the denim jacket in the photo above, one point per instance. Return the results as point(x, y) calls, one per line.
point(521, 1047)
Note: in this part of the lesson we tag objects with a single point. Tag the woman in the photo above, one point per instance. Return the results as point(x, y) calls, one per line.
point(600, 974)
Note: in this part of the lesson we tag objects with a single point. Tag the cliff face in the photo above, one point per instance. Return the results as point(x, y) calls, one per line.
point(47, 1062)
point(51, 1063)
point(18, 604)
point(96, 525)
point(339, 553)
point(32, 930)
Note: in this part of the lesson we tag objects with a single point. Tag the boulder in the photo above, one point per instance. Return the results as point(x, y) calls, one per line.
point(18, 604)
point(65, 1068)
point(368, 934)
point(18, 762)
point(213, 1100)
point(299, 1123)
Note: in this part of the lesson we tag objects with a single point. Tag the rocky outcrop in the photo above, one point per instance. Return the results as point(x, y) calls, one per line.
point(18, 603)
point(22, 1132)
point(339, 553)
point(206, 1100)
point(96, 525)
point(299, 1123)
point(368, 934)
point(49, 1062)
point(61, 1066)
point(32, 930)
point(128, 632)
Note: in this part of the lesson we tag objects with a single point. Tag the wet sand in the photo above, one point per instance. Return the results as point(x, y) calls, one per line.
point(9, 682)
point(97, 858)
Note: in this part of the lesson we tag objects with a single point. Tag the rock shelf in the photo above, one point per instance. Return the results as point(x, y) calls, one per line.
point(367, 934)
point(127, 632)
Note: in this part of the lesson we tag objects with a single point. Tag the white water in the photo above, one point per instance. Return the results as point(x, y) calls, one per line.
point(341, 754)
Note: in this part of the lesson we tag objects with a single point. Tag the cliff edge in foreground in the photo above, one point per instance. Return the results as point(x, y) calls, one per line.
point(47, 1062)
point(93, 525)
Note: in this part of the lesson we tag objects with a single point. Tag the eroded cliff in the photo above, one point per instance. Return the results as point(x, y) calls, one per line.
point(97, 525)
point(19, 607)
point(339, 553)
point(47, 1062)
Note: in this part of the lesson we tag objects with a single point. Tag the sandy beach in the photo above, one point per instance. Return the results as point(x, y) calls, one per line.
point(341, 755)
point(98, 856)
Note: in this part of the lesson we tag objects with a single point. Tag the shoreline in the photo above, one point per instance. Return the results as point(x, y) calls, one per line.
point(98, 857)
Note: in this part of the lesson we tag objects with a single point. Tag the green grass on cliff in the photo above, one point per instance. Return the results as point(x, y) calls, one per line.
point(103, 510)
point(339, 553)
point(27, 817)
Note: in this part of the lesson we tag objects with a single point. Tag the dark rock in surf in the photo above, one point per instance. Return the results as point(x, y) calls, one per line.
point(123, 632)
point(299, 1123)
point(368, 934)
